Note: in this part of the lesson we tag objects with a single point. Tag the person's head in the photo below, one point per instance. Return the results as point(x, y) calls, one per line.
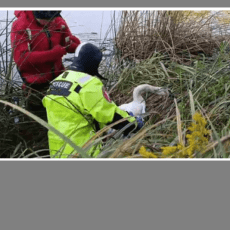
point(44, 17)
point(87, 59)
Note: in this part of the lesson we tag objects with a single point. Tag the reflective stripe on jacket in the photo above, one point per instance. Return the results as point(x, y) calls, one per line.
point(73, 102)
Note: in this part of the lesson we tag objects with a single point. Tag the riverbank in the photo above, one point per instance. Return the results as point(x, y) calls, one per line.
point(192, 123)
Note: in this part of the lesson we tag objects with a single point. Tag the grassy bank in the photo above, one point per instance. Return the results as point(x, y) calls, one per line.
point(192, 123)
point(202, 87)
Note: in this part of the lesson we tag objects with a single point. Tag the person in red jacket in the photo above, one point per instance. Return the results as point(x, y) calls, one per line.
point(39, 40)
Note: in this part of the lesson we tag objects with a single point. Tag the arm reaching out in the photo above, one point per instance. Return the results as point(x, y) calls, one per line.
point(104, 110)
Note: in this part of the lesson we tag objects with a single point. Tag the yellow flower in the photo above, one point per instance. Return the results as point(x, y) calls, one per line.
point(197, 140)
point(169, 150)
point(145, 153)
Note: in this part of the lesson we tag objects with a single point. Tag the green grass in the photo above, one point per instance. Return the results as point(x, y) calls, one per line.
point(201, 86)
point(207, 80)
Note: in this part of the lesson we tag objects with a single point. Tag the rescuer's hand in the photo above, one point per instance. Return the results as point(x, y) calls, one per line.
point(140, 122)
point(59, 50)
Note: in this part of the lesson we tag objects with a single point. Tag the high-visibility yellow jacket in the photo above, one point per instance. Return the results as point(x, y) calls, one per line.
point(75, 103)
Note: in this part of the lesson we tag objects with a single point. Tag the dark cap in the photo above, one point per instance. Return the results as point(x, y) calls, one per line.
point(87, 59)
point(46, 14)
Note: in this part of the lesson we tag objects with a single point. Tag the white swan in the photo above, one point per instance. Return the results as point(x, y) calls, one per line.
point(138, 105)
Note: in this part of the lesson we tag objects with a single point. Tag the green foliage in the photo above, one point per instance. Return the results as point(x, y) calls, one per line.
point(208, 80)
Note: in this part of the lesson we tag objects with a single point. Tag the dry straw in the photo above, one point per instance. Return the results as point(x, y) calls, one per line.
point(142, 33)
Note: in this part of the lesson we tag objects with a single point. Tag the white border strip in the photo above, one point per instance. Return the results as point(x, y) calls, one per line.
point(114, 8)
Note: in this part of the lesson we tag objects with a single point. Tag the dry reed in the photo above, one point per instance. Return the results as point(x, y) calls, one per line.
point(142, 33)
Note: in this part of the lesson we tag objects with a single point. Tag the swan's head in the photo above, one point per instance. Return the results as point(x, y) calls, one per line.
point(160, 91)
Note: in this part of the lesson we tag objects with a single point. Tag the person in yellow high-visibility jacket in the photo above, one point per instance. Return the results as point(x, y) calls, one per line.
point(78, 105)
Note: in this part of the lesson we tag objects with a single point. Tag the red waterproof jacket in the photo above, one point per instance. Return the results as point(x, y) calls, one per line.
point(38, 50)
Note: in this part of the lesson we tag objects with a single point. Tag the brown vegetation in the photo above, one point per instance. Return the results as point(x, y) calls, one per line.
point(142, 33)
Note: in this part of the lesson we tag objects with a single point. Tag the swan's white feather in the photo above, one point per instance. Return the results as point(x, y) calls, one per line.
point(138, 105)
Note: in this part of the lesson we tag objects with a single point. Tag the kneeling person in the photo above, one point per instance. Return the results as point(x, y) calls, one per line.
point(78, 105)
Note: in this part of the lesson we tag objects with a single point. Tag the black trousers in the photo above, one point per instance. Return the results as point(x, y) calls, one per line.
point(34, 95)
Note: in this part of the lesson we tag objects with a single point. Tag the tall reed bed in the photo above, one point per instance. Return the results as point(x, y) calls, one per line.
point(141, 33)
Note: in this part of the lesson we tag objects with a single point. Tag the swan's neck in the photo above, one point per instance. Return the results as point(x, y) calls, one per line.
point(144, 88)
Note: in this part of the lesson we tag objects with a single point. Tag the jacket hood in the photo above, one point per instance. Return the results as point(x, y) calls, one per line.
point(26, 18)
point(87, 59)
point(25, 14)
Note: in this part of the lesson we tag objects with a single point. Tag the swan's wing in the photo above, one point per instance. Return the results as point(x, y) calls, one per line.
point(124, 107)
point(134, 107)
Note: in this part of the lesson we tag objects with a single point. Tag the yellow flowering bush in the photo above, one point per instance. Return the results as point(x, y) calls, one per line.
point(174, 151)
point(146, 153)
point(197, 140)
